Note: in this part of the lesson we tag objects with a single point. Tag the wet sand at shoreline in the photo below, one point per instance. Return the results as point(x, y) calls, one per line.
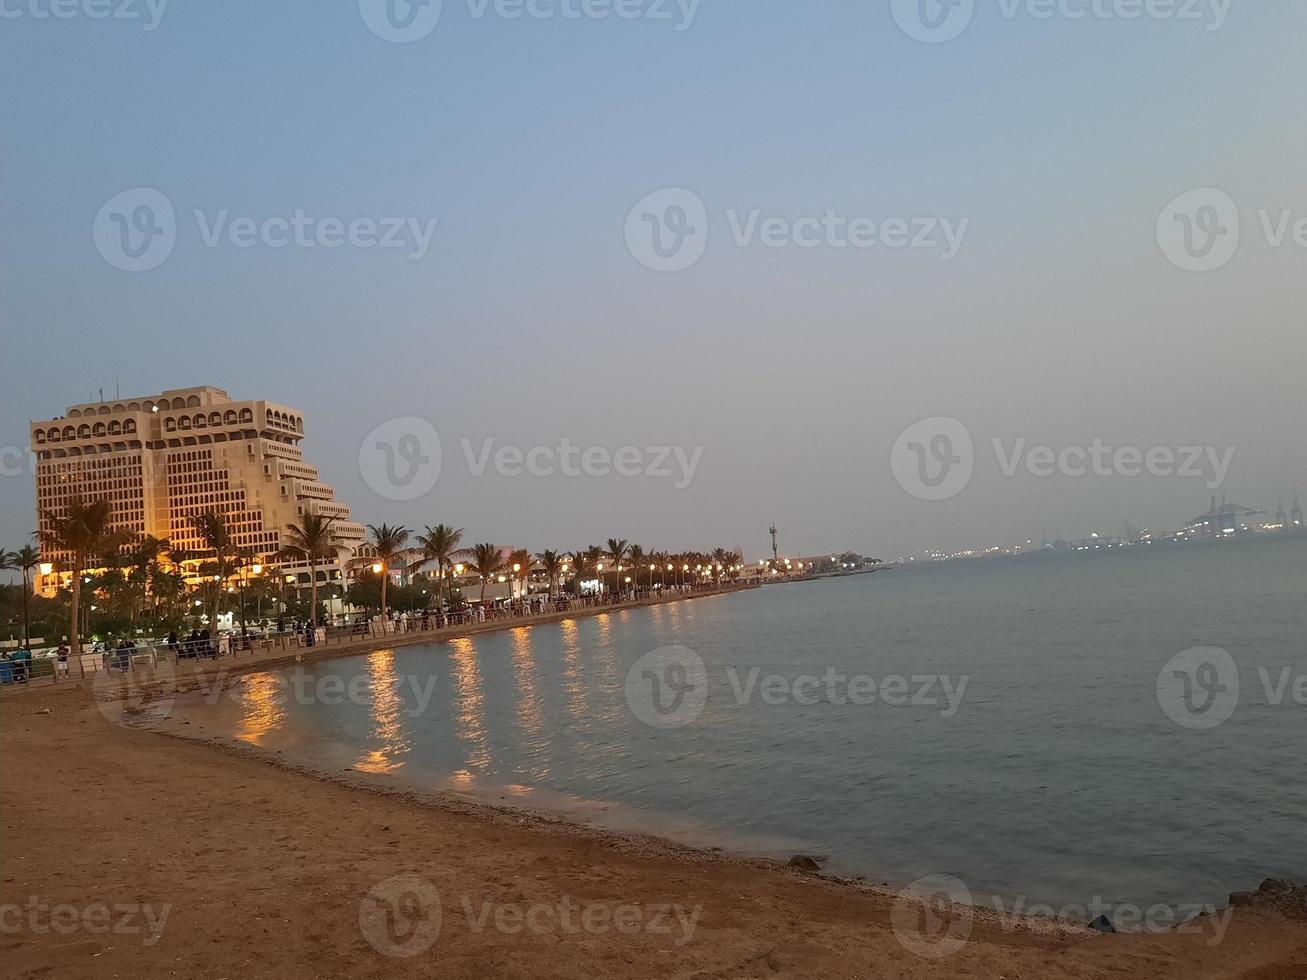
point(264, 871)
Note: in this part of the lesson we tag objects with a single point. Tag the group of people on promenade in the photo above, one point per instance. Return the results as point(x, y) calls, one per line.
point(122, 655)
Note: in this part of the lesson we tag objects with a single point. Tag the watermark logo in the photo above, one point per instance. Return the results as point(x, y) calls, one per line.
point(668, 687)
point(401, 458)
point(1199, 688)
point(308, 687)
point(401, 21)
point(131, 687)
point(667, 231)
point(17, 461)
point(136, 230)
point(933, 21)
point(400, 917)
point(1199, 230)
point(933, 459)
point(931, 916)
point(937, 21)
point(406, 21)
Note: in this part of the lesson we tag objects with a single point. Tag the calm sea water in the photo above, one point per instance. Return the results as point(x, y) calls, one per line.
point(1058, 778)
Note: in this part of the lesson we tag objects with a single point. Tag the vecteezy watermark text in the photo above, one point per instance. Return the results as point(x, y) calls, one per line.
point(938, 21)
point(148, 12)
point(933, 916)
point(406, 21)
point(934, 459)
point(17, 461)
point(669, 688)
point(668, 231)
point(401, 917)
point(402, 459)
point(568, 459)
point(137, 230)
point(304, 687)
point(97, 918)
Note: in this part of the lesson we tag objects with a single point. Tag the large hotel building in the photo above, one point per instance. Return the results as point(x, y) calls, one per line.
point(164, 459)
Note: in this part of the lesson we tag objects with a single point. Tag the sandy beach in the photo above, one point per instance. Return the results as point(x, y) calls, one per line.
point(133, 854)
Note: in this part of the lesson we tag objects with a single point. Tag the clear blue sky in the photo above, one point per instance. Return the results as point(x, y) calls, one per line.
point(528, 320)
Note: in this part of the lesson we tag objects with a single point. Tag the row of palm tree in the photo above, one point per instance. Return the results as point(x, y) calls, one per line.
point(84, 532)
point(24, 560)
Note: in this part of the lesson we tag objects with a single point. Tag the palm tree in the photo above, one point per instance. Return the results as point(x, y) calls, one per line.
point(9, 562)
point(617, 550)
point(24, 560)
point(720, 559)
point(578, 559)
point(387, 541)
point(439, 544)
point(311, 541)
point(662, 559)
point(211, 528)
point(594, 557)
point(85, 532)
point(733, 560)
point(520, 562)
point(147, 558)
point(638, 558)
point(167, 589)
point(487, 560)
point(553, 563)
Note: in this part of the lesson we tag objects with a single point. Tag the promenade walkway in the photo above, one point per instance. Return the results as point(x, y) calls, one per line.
point(151, 667)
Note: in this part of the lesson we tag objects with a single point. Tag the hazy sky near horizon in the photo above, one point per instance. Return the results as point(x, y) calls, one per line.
point(1051, 146)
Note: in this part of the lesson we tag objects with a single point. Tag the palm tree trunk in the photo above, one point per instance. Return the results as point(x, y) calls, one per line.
point(313, 597)
point(27, 632)
point(483, 588)
point(385, 580)
point(75, 604)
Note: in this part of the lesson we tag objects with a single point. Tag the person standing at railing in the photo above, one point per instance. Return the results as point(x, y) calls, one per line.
point(62, 657)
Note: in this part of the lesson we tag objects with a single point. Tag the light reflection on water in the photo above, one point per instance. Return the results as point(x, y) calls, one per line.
point(389, 730)
point(263, 698)
point(578, 702)
point(1058, 778)
point(471, 705)
point(530, 707)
